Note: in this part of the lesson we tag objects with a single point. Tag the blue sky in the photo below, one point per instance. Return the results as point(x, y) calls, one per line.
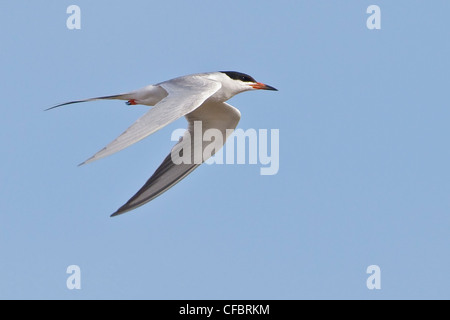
point(364, 173)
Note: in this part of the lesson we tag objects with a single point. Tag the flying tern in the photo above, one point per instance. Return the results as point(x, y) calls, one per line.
point(197, 97)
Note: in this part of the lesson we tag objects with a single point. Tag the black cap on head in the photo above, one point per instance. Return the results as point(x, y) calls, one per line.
point(239, 76)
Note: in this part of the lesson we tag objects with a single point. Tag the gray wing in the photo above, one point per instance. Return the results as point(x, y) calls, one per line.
point(184, 96)
point(220, 116)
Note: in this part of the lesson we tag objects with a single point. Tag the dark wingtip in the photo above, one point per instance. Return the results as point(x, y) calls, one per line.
point(64, 104)
point(118, 212)
point(123, 209)
point(59, 105)
point(115, 214)
point(51, 108)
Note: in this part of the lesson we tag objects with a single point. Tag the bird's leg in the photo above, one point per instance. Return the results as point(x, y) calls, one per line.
point(131, 102)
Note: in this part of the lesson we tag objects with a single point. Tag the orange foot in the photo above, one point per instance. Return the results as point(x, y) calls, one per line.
point(131, 102)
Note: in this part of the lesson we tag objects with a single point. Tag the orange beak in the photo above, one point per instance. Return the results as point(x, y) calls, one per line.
point(262, 86)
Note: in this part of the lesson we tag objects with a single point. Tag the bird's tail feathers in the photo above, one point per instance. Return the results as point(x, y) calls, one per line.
point(126, 96)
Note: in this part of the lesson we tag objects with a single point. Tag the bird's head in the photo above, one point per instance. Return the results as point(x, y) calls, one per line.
point(243, 82)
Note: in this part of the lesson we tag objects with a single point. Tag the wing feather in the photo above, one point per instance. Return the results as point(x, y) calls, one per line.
point(183, 97)
point(219, 116)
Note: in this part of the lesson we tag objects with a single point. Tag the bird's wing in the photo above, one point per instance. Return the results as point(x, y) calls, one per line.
point(184, 96)
point(220, 116)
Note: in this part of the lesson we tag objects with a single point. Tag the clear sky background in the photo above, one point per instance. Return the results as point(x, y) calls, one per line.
point(364, 173)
